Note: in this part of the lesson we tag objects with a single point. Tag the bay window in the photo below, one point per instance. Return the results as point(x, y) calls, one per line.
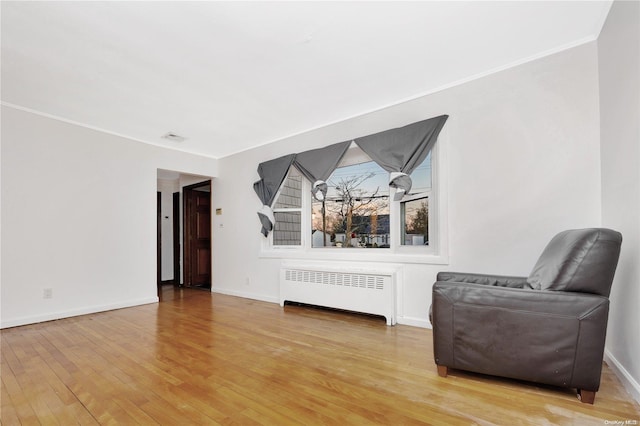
point(356, 212)
point(383, 191)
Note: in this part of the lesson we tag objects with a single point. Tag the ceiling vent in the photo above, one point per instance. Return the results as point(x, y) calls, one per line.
point(173, 137)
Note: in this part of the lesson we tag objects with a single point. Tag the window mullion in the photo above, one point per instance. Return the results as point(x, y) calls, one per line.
point(395, 230)
point(306, 212)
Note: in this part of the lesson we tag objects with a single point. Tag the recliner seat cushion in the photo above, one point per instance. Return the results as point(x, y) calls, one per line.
point(578, 260)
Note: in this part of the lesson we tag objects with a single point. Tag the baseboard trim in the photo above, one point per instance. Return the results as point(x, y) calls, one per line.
point(415, 322)
point(245, 295)
point(16, 322)
point(628, 381)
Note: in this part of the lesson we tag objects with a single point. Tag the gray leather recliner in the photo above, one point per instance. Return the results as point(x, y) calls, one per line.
point(547, 328)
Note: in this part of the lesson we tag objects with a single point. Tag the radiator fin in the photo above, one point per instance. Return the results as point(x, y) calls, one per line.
point(374, 282)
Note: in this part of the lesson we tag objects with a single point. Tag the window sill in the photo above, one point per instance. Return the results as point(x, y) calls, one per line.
point(403, 255)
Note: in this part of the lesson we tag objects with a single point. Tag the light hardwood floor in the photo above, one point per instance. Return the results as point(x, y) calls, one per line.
point(200, 358)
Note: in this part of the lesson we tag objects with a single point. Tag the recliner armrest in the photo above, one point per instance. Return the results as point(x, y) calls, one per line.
point(492, 280)
point(541, 301)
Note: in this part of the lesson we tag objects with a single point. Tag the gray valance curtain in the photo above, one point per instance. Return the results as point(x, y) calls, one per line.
point(399, 151)
point(318, 164)
point(272, 174)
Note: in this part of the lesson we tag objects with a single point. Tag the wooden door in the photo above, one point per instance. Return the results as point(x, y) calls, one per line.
point(197, 238)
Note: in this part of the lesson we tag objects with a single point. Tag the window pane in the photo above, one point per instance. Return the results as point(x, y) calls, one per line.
point(415, 222)
point(356, 211)
point(291, 192)
point(421, 177)
point(286, 231)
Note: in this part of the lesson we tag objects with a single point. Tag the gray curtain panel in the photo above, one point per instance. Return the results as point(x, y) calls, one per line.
point(399, 151)
point(318, 164)
point(272, 174)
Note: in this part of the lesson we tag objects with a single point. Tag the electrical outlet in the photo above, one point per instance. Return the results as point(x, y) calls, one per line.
point(47, 293)
point(247, 281)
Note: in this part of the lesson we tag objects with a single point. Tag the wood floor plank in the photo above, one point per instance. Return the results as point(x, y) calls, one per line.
point(201, 358)
point(7, 408)
point(15, 403)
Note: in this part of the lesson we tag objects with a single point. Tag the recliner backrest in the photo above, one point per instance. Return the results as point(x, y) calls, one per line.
point(578, 260)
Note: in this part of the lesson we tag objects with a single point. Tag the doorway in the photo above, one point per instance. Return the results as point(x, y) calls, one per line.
point(197, 235)
point(173, 242)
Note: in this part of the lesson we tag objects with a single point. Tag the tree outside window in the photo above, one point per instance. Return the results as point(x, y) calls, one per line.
point(415, 222)
point(356, 210)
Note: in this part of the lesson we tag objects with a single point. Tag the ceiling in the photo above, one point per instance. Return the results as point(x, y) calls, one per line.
point(229, 76)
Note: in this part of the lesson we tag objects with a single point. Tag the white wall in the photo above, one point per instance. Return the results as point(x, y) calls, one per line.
point(619, 71)
point(523, 164)
point(79, 217)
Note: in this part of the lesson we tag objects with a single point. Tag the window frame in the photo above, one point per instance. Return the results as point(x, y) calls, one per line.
point(435, 253)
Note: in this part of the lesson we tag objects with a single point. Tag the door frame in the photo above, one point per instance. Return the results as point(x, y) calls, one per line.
point(176, 240)
point(186, 232)
point(159, 240)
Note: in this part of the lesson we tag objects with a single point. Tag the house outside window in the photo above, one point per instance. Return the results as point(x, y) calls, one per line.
point(287, 211)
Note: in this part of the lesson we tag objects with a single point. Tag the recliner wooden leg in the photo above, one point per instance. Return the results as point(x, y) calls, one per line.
point(587, 397)
point(442, 370)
